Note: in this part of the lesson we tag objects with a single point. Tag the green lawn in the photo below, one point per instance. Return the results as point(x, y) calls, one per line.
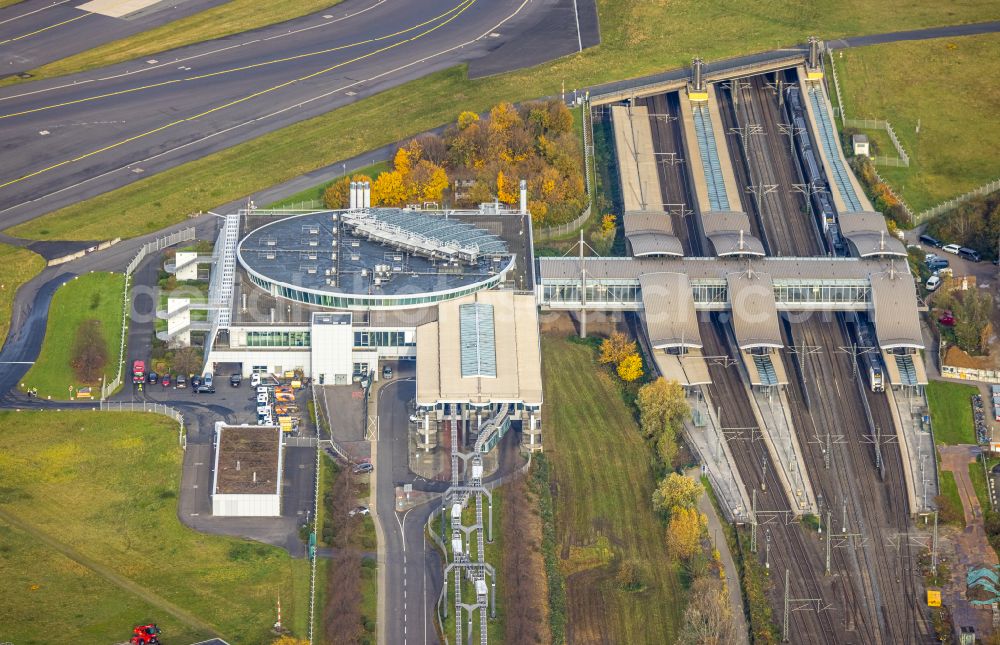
point(91, 296)
point(7, 3)
point(19, 266)
point(978, 477)
point(666, 33)
point(90, 543)
point(952, 503)
point(230, 18)
point(951, 411)
point(315, 193)
point(953, 88)
point(605, 481)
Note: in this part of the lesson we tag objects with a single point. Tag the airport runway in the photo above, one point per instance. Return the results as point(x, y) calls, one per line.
point(70, 138)
point(36, 32)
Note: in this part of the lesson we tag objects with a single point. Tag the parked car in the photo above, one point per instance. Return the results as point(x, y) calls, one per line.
point(195, 380)
point(206, 379)
point(360, 510)
point(933, 283)
point(947, 318)
point(362, 468)
point(951, 248)
point(235, 380)
point(165, 381)
point(180, 381)
point(930, 241)
point(969, 254)
point(935, 263)
point(205, 389)
point(152, 378)
point(255, 379)
point(262, 399)
point(386, 372)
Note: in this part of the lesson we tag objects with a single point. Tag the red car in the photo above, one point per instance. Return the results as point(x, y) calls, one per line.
point(165, 381)
point(947, 319)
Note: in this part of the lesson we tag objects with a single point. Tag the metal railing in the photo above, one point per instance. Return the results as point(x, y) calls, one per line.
point(564, 229)
point(943, 207)
point(152, 408)
point(160, 243)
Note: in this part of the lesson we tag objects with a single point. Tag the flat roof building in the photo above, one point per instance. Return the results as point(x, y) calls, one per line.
point(248, 469)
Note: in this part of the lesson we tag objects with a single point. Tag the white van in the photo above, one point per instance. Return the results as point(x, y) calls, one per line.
point(951, 248)
point(933, 283)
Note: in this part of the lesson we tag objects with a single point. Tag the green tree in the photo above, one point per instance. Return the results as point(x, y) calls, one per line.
point(662, 407)
point(676, 490)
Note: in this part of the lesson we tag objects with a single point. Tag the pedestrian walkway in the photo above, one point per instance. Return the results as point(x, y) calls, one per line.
point(718, 536)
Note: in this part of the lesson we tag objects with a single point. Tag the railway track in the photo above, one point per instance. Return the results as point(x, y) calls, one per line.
point(791, 549)
point(672, 166)
point(880, 589)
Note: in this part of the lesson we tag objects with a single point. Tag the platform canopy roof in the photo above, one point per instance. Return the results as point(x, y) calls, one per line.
point(754, 312)
point(729, 232)
point(668, 310)
point(868, 233)
point(482, 349)
point(651, 233)
point(894, 298)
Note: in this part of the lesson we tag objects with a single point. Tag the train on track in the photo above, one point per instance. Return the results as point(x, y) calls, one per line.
point(812, 166)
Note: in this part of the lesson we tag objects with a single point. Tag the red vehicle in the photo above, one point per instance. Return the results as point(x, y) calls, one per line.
point(138, 372)
point(165, 381)
point(145, 635)
point(947, 319)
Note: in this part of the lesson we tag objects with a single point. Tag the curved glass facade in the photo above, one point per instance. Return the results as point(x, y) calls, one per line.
point(364, 301)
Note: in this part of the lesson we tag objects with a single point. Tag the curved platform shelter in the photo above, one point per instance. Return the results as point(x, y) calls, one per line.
point(729, 233)
point(868, 234)
point(651, 233)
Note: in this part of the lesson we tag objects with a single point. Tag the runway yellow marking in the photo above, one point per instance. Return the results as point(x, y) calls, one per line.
point(237, 69)
point(38, 31)
point(457, 11)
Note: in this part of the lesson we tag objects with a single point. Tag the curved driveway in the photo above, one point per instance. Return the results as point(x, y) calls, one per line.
point(98, 130)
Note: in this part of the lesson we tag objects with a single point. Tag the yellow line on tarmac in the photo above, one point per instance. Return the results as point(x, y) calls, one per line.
point(466, 3)
point(237, 69)
point(38, 31)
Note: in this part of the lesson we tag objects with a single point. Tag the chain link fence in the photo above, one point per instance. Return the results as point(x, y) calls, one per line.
point(150, 407)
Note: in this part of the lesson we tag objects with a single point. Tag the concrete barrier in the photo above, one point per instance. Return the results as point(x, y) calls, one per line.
point(79, 254)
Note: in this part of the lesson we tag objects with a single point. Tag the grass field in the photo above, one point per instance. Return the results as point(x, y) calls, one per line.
point(90, 543)
point(7, 3)
point(316, 192)
point(604, 483)
point(978, 477)
point(951, 412)
point(666, 34)
point(951, 86)
point(91, 296)
point(18, 266)
point(949, 491)
point(230, 18)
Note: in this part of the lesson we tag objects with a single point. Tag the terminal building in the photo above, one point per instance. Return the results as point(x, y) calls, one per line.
point(333, 293)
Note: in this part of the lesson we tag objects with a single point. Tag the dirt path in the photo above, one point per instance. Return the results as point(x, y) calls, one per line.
point(111, 576)
point(971, 547)
point(728, 564)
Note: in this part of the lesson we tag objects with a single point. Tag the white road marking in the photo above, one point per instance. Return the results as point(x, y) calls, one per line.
point(31, 12)
point(272, 114)
point(579, 38)
point(152, 66)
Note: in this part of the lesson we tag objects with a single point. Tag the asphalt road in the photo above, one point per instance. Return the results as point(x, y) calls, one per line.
point(65, 139)
point(36, 32)
point(412, 570)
